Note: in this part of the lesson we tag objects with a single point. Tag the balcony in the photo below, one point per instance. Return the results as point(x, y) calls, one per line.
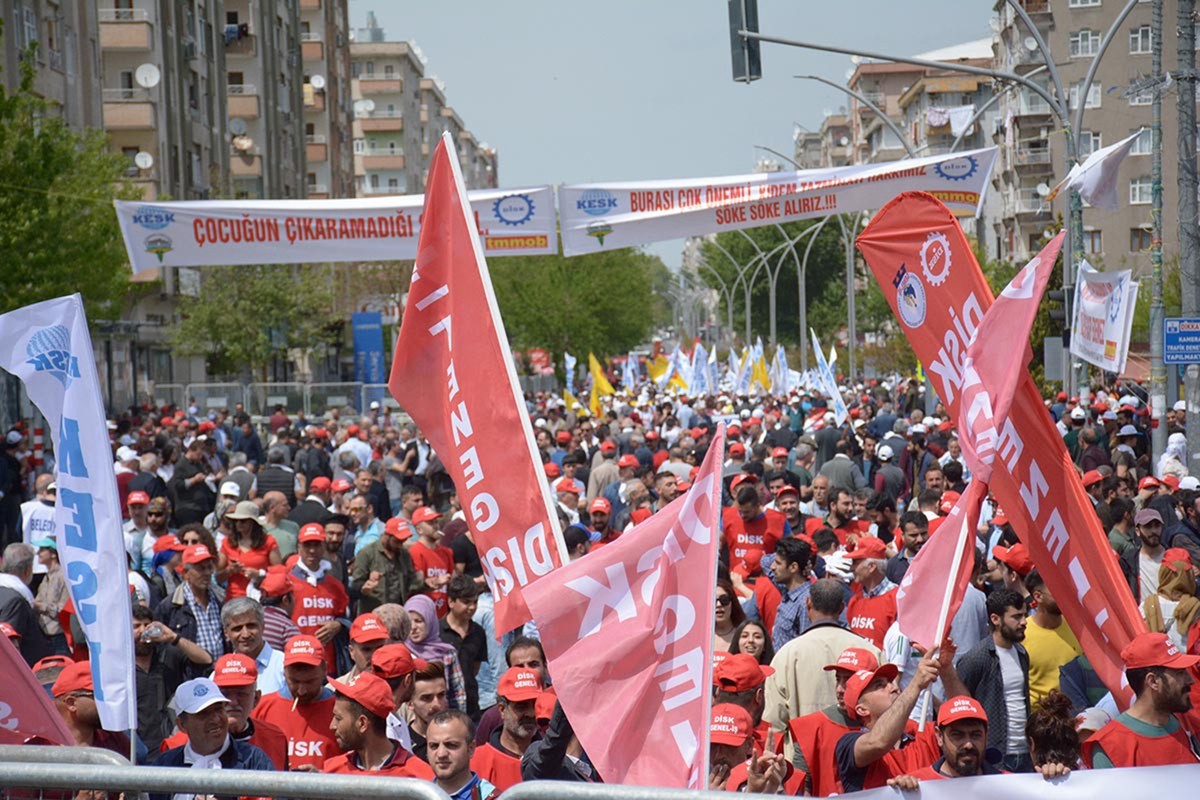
point(381, 190)
point(316, 151)
point(311, 47)
point(239, 41)
point(383, 161)
point(1032, 106)
point(128, 109)
point(125, 29)
point(878, 98)
point(310, 5)
point(245, 164)
point(1033, 158)
point(313, 100)
point(1028, 201)
point(381, 120)
point(1035, 7)
point(317, 191)
point(242, 100)
point(373, 85)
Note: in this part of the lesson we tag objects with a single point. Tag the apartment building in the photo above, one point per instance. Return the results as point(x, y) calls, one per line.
point(1033, 146)
point(65, 67)
point(325, 52)
point(836, 144)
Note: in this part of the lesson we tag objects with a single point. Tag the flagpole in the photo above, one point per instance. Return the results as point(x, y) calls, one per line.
point(706, 723)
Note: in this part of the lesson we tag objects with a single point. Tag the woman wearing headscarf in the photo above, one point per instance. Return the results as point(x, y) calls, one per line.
point(1173, 461)
point(1174, 609)
point(425, 641)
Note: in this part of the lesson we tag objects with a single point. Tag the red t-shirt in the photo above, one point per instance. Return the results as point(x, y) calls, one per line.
point(433, 562)
point(310, 741)
point(762, 533)
point(316, 605)
point(766, 600)
point(402, 764)
point(870, 617)
point(497, 767)
point(258, 558)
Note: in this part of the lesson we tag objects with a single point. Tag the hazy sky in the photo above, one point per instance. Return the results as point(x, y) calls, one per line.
point(641, 89)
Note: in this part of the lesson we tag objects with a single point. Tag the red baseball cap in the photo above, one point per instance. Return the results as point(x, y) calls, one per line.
point(352, 430)
point(1171, 481)
point(196, 554)
point(551, 469)
point(563, 436)
point(370, 691)
point(948, 501)
point(640, 515)
point(1092, 476)
point(425, 514)
point(341, 485)
point(519, 685)
point(235, 669)
point(696, 432)
point(779, 452)
point(566, 485)
point(76, 677)
point(868, 547)
point(303, 650)
point(608, 447)
point(959, 708)
point(368, 628)
point(999, 517)
point(9, 631)
point(49, 662)
point(731, 725)
point(168, 541)
point(737, 449)
point(277, 583)
point(854, 659)
point(319, 484)
point(740, 672)
point(787, 488)
point(651, 436)
point(395, 661)
point(627, 460)
point(399, 528)
point(1151, 650)
point(600, 504)
point(137, 499)
point(1016, 557)
point(745, 477)
point(734, 430)
point(1149, 482)
point(311, 532)
point(857, 683)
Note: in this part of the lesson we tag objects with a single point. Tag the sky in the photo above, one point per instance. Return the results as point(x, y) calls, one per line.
point(642, 89)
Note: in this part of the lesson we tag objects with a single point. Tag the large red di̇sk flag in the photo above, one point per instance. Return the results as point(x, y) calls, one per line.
point(27, 714)
point(453, 374)
point(628, 634)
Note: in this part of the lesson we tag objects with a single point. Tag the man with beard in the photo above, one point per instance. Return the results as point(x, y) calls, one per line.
point(996, 673)
point(359, 724)
point(748, 525)
point(1048, 639)
point(962, 735)
point(75, 697)
point(914, 530)
point(1150, 732)
point(303, 709)
point(499, 760)
point(840, 518)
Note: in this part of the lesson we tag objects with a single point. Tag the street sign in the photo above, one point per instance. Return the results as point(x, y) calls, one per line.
point(1181, 340)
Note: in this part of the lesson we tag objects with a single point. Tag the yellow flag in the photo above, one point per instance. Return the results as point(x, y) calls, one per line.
point(594, 403)
point(573, 404)
point(760, 375)
point(599, 380)
point(658, 367)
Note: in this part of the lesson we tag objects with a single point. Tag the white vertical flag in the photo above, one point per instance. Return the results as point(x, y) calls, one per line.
point(1096, 178)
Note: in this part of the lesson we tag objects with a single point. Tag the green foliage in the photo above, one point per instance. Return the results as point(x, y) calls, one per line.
point(244, 315)
point(1172, 299)
point(606, 303)
point(58, 232)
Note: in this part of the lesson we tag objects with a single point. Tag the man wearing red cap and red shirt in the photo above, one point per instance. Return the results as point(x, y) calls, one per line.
point(599, 513)
point(735, 765)
point(433, 561)
point(396, 665)
point(499, 760)
point(872, 607)
point(75, 697)
point(739, 680)
point(1150, 733)
point(359, 724)
point(962, 736)
point(747, 524)
point(367, 634)
point(320, 604)
point(303, 709)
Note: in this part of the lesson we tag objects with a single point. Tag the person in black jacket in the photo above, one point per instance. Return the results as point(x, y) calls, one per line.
point(193, 497)
point(558, 756)
point(996, 673)
point(16, 601)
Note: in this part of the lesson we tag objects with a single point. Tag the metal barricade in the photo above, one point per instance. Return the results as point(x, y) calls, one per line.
point(538, 383)
point(30, 754)
point(261, 398)
point(215, 396)
point(169, 394)
point(562, 790)
point(345, 397)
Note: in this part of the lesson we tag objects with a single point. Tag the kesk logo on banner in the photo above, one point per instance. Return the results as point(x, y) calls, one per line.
point(197, 233)
point(47, 346)
point(628, 633)
point(1104, 303)
point(607, 216)
point(1033, 477)
point(453, 373)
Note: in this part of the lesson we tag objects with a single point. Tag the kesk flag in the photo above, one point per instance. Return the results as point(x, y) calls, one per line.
point(26, 710)
point(452, 373)
point(569, 362)
point(629, 371)
point(47, 346)
point(828, 382)
point(628, 633)
point(1096, 178)
point(940, 298)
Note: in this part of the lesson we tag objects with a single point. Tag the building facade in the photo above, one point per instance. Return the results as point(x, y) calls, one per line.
point(325, 50)
point(65, 34)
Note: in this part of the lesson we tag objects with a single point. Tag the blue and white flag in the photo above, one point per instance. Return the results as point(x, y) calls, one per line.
point(569, 367)
point(741, 383)
point(700, 384)
point(828, 382)
point(781, 378)
point(49, 349)
point(629, 371)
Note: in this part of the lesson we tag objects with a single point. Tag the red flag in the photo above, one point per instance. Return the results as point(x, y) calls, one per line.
point(26, 711)
point(922, 259)
point(453, 374)
point(628, 633)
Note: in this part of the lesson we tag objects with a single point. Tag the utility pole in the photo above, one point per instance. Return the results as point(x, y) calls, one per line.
point(1189, 228)
point(1158, 375)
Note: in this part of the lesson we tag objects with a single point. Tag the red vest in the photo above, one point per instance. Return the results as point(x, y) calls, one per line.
point(402, 764)
point(817, 735)
point(766, 600)
point(915, 755)
point(309, 739)
point(316, 605)
point(793, 781)
point(762, 533)
point(870, 617)
point(1126, 748)
point(496, 767)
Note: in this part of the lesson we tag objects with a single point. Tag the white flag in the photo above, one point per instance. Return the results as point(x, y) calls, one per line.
point(569, 367)
point(1096, 178)
point(49, 349)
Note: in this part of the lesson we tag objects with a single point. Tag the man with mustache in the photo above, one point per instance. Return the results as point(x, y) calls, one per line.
point(499, 760)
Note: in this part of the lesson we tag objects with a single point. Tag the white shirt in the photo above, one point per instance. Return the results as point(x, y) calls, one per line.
point(1014, 697)
point(1148, 564)
point(37, 522)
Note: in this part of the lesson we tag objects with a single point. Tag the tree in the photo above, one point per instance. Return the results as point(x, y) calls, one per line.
point(245, 315)
point(605, 303)
point(58, 231)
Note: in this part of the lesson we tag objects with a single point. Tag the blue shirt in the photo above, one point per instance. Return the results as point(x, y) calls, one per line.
point(369, 534)
point(791, 617)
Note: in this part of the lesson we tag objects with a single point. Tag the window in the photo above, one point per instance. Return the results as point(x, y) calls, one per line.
point(1093, 242)
point(1141, 39)
point(374, 179)
point(1093, 96)
point(1140, 239)
point(359, 146)
point(1084, 43)
point(1143, 144)
point(237, 78)
point(389, 70)
point(31, 24)
point(1139, 191)
point(393, 184)
point(355, 69)
point(370, 68)
point(1089, 142)
point(1084, 4)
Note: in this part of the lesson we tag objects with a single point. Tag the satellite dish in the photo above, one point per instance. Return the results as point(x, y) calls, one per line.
point(1031, 43)
point(147, 76)
point(1047, 234)
point(237, 126)
point(369, 105)
point(143, 160)
point(242, 143)
point(318, 82)
point(842, 142)
point(855, 60)
point(1043, 189)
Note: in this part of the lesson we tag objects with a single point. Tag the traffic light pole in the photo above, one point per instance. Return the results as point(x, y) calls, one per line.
point(1158, 376)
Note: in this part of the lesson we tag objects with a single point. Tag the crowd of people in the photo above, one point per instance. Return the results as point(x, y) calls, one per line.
point(307, 595)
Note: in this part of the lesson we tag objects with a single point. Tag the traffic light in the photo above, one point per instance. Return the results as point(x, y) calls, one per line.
point(1061, 317)
point(747, 58)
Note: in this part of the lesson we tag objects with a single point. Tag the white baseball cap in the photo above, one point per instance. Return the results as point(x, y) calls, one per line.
point(1127, 430)
point(1189, 482)
point(195, 695)
point(1078, 413)
point(1180, 405)
point(230, 489)
point(885, 453)
point(126, 453)
point(13, 437)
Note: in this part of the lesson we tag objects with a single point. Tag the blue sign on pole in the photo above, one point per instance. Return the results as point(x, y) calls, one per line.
point(1181, 340)
point(368, 347)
